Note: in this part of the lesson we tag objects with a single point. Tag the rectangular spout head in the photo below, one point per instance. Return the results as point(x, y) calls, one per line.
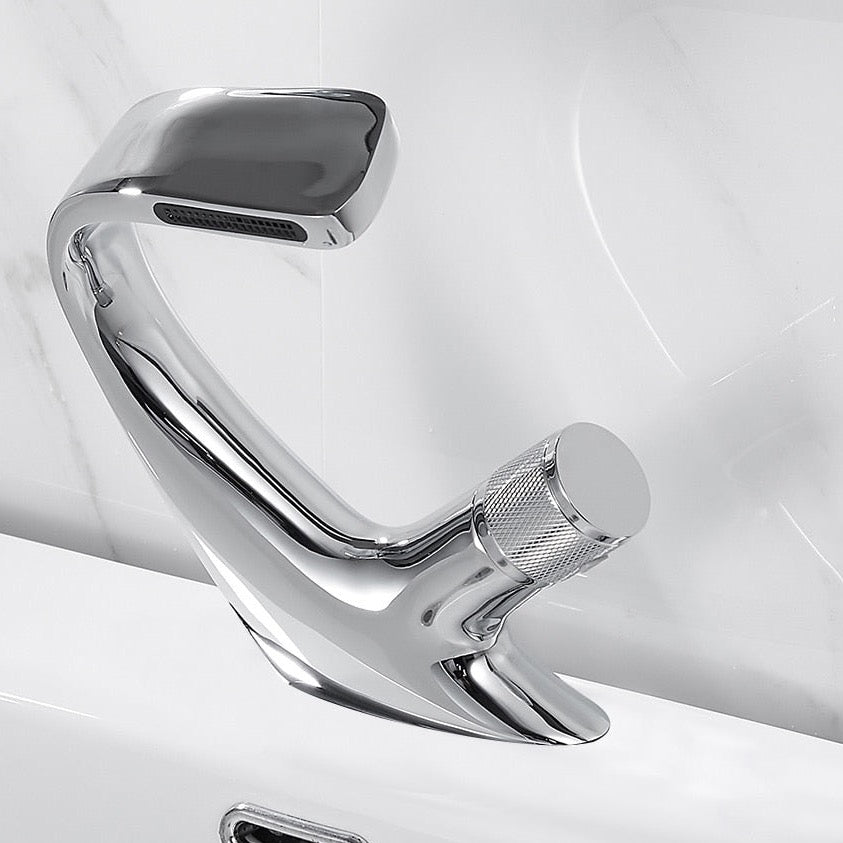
point(310, 167)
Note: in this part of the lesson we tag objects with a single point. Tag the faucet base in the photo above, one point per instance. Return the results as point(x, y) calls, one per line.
point(539, 706)
point(520, 704)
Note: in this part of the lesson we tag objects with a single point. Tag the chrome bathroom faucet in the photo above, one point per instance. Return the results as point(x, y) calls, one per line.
point(404, 623)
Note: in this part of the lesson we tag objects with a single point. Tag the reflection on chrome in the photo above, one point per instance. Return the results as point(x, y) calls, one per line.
point(404, 623)
point(246, 823)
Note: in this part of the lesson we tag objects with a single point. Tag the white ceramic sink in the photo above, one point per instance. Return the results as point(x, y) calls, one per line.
point(141, 707)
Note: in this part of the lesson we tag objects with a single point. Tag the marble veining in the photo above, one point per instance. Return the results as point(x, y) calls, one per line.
point(69, 474)
point(24, 283)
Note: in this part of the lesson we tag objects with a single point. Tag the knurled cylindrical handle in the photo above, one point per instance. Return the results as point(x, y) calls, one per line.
point(565, 503)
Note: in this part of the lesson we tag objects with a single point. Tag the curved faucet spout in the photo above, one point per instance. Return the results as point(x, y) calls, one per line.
point(403, 623)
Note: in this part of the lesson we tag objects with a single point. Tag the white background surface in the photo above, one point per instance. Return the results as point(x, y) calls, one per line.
point(154, 730)
point(627, 213)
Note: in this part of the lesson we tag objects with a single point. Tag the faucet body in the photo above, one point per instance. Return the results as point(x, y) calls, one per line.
point(404, 623)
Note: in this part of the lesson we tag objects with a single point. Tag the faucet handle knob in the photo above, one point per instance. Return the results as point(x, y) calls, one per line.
point(564, 504)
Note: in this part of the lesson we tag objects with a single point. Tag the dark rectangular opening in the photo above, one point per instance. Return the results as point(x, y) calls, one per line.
point(192, 217)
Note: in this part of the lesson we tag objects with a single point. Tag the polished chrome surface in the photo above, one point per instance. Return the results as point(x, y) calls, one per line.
point(244, 821)
point(404, 623)
point(598, 484)
point(529, 507)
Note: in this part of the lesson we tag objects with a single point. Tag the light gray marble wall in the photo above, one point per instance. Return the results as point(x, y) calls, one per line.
point(68, 474)
point(623, 212)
